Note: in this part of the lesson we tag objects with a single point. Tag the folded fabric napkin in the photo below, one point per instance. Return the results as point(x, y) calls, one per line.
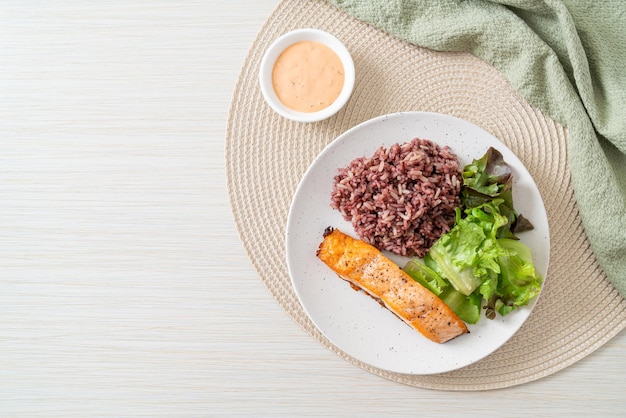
point(566, 58)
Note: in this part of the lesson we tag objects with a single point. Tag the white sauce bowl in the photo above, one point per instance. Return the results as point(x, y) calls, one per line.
point(288, 39)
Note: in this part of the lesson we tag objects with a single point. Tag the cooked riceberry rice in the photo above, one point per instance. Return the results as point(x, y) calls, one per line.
point(401, 199)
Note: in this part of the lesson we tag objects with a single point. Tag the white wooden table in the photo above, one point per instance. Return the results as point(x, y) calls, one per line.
point(125, 290)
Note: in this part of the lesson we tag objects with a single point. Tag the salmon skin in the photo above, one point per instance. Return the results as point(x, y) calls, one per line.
point(365, 267)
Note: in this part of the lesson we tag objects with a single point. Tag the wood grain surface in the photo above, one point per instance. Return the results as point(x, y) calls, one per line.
point(125, 290)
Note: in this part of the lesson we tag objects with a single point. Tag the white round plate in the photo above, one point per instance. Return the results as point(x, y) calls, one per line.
point(353, 321)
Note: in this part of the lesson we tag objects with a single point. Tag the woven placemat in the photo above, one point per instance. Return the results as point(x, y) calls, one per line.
point(266, 156)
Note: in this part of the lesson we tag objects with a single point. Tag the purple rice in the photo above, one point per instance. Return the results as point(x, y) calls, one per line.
point(402, 198)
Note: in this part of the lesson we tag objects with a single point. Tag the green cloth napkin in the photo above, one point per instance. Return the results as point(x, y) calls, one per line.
point(566, 58)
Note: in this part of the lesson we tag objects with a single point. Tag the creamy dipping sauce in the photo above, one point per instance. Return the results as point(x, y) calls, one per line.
point(308, 76)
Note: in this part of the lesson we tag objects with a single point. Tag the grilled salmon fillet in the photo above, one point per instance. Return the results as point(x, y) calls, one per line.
point(365, 267)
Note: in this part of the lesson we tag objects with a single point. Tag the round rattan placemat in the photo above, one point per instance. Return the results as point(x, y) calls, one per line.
point(266, 156)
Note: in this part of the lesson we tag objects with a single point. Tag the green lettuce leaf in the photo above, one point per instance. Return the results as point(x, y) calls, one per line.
point(425, 276)
point(468, 254)
point(466, 307)
point(490, 177)
point(519, 282)
point(479, 266)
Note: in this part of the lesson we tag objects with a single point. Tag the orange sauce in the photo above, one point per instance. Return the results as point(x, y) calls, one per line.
point(308, 76)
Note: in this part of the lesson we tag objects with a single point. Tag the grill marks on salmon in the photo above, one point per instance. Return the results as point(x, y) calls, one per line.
point(366, 268)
